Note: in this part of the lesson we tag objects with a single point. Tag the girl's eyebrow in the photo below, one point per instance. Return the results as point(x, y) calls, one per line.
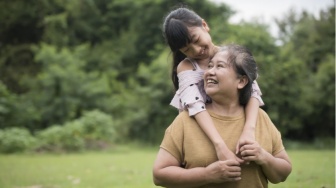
point(193, 36)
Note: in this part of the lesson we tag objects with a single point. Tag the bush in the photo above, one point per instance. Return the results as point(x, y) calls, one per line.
point(15, 140)
point(59, 139)
point(98, 126)
point(92, 131)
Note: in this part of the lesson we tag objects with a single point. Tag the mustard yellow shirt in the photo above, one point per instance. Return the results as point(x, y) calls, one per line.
point(186, 141)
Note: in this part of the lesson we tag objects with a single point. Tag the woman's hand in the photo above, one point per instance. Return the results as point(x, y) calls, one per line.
point(223, 171)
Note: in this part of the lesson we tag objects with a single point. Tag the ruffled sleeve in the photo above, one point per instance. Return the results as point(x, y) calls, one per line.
point(256, 93)
point(190, 95)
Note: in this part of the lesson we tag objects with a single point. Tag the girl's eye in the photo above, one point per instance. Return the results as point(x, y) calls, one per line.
point(196, 41)
point(186, 50)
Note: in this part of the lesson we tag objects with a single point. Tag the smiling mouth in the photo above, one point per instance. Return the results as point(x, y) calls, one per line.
point(202, 52)
point(211, 81)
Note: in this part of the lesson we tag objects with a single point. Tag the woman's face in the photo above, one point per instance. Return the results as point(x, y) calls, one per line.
point(201, 44)
point(220, 77)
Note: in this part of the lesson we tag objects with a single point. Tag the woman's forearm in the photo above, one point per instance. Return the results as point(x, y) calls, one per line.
point(277, 168)
point(176, 177)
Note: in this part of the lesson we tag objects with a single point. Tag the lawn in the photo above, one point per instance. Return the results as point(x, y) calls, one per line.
point(131, 168)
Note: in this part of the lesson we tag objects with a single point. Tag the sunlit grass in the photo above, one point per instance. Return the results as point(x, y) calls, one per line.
point(121, 168)
point(132, 168)
point(314, 168)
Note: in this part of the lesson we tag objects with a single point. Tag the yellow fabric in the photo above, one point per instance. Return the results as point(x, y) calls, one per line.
point(186, 141)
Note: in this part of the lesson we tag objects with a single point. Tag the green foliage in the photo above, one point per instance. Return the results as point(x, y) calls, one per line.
point(58, 139)
point(68, 88)
point(60, 59)
point(149, 114)
point(303, 103)
point(13, 140)
point(98, 126)
point(94, 130)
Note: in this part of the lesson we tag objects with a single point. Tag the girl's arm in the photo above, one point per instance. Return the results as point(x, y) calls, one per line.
point(205, 122)
point(251, 113)
point(192, 100)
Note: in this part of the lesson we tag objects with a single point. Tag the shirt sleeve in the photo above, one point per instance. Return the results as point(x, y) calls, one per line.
point(173, 139)
point(277, 144)
point(190, 95)
point(256, 93)
point(191, 99)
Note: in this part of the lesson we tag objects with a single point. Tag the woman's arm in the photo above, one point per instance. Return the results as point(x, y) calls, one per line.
point(276, 168)
point(168, 173)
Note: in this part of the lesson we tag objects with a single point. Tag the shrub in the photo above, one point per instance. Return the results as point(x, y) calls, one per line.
point(98, 126)
point(66, 138)
point(94, 130)
point(13, 140)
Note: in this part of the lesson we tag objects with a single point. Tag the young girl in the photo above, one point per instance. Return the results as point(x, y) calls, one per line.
point(187, 35)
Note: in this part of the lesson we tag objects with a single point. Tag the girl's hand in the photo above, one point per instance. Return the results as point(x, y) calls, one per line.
point(223, 154)
point(251, 151)
point(247, 135)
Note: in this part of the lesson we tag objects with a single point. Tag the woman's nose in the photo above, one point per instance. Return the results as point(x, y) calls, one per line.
point(210, 71)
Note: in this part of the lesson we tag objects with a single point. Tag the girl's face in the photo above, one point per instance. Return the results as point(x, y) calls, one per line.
point(201, 46)
point(220, 77)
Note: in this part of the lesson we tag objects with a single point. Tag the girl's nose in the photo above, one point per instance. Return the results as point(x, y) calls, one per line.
point(196, 49)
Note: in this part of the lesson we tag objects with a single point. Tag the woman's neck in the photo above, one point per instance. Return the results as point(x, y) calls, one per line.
point(226, 109)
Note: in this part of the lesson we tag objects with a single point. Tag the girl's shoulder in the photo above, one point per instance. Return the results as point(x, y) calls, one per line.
point(186, 64)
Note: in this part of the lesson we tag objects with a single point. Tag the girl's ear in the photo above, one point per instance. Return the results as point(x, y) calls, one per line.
point(243, 81)
point(205, 25)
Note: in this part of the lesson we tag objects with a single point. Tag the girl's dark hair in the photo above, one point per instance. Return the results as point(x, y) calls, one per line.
point(176, 34)
point(244, 64)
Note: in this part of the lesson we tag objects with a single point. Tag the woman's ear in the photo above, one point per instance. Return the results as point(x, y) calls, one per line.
point(243, 81)
point(205, 25)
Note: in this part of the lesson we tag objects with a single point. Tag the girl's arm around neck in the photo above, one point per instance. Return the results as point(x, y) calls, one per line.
point(205, 121)
point(251, 115)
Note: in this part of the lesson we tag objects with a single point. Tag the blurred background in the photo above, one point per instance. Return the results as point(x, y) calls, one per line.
point(89, 74)
point(85, 86)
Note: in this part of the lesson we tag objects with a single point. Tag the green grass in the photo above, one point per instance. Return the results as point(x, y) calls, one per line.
point(314, 168)
point(132, 168)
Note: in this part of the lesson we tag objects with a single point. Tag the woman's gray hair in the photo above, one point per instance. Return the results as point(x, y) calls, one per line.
point(242, 61)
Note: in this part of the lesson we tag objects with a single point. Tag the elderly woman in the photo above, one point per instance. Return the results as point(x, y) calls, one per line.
point(188, 159)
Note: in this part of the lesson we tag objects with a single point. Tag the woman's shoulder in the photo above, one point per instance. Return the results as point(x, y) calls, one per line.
point(262, 114)
point(264, 118)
